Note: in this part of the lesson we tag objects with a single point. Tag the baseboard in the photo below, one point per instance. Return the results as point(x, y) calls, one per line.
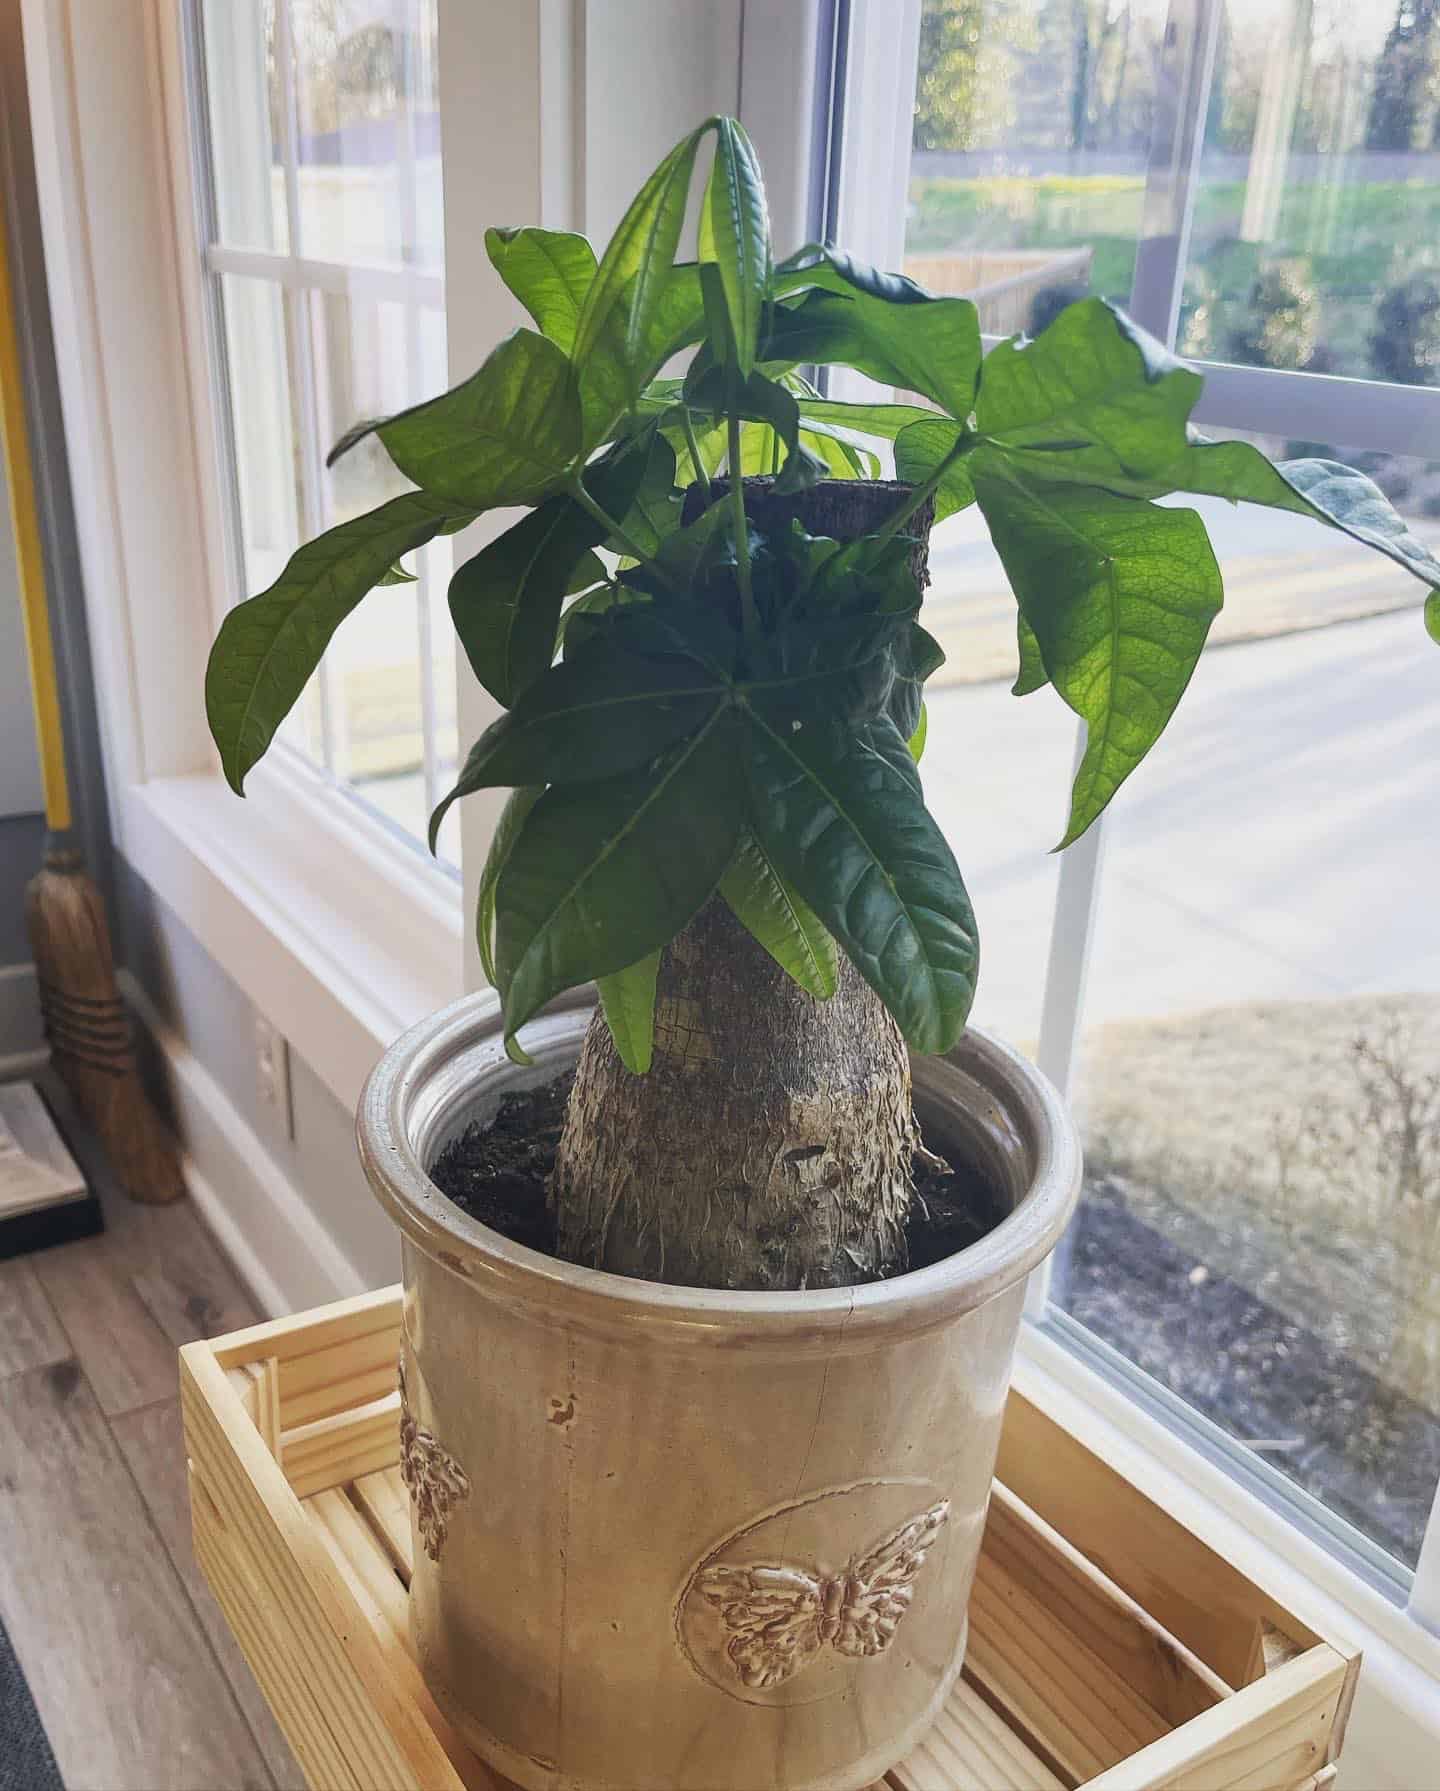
point(260, 1218)
point(22, 1033)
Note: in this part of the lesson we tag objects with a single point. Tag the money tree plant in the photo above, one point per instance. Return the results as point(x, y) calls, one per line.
point(703, 634)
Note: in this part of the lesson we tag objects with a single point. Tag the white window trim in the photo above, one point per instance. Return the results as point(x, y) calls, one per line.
point(339, 932)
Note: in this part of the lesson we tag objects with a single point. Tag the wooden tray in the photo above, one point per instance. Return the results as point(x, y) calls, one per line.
point(1109, 1647)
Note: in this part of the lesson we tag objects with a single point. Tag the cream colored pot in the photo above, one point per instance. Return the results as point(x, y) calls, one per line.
point(669, 1539)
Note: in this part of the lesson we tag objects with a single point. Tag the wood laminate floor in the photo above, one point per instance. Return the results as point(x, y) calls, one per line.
point(137, 1679)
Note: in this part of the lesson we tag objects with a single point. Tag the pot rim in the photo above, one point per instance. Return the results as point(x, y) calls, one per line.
point(404, 1098)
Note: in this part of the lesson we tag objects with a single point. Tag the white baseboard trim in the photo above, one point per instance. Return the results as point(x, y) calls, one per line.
point(260, 1218)
point(17, 1066)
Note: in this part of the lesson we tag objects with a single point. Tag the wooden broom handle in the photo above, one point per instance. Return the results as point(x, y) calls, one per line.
point(16, 462)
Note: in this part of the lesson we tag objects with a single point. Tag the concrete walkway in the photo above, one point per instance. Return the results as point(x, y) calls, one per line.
point(1282, 841)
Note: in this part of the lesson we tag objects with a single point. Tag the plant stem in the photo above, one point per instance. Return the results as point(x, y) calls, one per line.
point(918, 496)
point(702, 478)
point(612, 528)
point(749, 619)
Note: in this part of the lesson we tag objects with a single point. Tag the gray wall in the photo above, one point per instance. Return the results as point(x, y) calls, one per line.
point(215, 1020)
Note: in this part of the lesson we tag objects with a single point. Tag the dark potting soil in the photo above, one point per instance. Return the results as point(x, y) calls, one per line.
point(498, 1174)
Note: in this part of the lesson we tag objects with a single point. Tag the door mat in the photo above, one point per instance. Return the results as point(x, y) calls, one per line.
point(26, 1760)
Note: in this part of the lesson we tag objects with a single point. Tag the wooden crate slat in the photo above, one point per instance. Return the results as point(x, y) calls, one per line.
point(972, 1745)
point(289, 1568)
point(302, 1333)
point(371, 1576)
point(1187, 1587)
point(386, 1506)
point(342, 1447)
point(259, 1627)
point(1161, 1669)
point(1073, 1708)
point(1098, 1629)
point(348, 1373)
point(1276, 1732)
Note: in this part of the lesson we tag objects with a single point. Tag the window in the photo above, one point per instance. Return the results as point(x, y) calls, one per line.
point(1253, 1044)
point(325, 254)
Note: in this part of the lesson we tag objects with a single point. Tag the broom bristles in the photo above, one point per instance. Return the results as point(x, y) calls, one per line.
point(89, 1030)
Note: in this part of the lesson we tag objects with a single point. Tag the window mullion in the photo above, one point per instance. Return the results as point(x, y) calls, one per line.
point(1182, 97)
point(1190, 35)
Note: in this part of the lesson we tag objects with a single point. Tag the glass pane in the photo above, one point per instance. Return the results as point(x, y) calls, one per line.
point(438, 562)
point(1032, 127)
point(242, 91)
point(995, 772)
point(1319, 202)
point(1260, 1092)
point(368, 144)
point(266, 436)
point(265, 426)
point(362, 358)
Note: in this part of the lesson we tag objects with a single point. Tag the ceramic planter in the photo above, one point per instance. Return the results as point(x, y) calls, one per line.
point(674, 1538)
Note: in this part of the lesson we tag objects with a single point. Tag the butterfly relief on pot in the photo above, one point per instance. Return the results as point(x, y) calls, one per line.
point(778, 1618)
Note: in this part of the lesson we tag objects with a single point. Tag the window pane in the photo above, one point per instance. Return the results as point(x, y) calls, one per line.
point(1319, 202)
point(244, 102)
point(1032, 130)
point(368, 130)
point(265, 426)
point(363, 356)
point(1260, 1092)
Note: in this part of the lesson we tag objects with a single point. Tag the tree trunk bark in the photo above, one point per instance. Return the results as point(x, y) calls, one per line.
point(770, 1143)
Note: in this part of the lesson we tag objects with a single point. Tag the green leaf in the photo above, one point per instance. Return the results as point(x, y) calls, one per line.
point(352, 437)
point(842, 451)
point(1092, 393)
point(397, 575)
point(1432, 616)
point(601, 712)
point(550, 272)
point(778, 919)
point(735, 234)
point(268, 647)
point(505, 601)
point(518, 805)
point(627, 999)
point(508, 435)
point(653, 513)
point(883, 420)
point(1120, 594)
point(1322, 489)
point(613, 374)
point(919, 450)
point(1032, 674)
point(831, 270)
point(917, 655)
point(843, 818)
point(637, 264)
point(931, 347)
point(604, 874)
point(916, 742)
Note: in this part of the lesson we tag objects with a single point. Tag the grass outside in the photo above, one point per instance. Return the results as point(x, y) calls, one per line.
point(1355, 239)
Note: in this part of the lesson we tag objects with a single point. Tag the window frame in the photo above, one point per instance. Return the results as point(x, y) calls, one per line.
point(1225, 1491)
point(256, 882)
point(298, 277)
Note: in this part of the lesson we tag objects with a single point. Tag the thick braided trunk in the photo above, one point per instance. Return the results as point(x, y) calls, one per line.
point(770, 1144)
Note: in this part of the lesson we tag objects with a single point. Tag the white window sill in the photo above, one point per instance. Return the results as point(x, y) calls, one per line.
point(1393, 1743)
point(340, 936)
